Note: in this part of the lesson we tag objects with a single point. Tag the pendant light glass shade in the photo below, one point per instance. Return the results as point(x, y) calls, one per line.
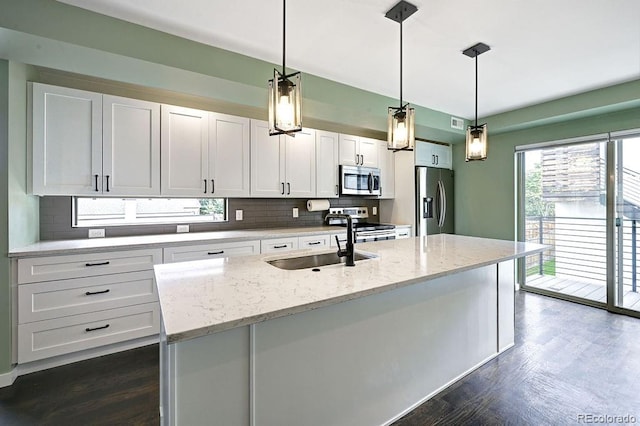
point(476, 143)
point(401, 119)
point(400, 130)
point(285, 95)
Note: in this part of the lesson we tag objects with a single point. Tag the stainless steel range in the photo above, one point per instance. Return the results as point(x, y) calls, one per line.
point(364, 231)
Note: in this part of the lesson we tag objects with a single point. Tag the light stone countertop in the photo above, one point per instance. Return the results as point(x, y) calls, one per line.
point(89, 245)
point(209, 296)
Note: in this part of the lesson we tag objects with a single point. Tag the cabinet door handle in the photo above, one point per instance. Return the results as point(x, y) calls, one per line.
point(315, 243)
point(211, 253)
point(91, 293)
point(282, 192)
point(437, 160)
point(96, 176)
point(288, 188)
point(280, 246)
point(336, 189)
point(205, 186)
point(107, 176)
point(213, 186)
point(96, 328)
point(97, 264)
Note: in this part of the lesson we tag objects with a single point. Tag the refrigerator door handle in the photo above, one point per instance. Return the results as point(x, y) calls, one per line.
point(443, 194)
point(438, 202)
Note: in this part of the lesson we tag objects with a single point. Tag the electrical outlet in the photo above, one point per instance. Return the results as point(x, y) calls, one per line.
point(295, 212)
point(96, 233)
point(182, 228)
point(238, 214)
point(375, 210)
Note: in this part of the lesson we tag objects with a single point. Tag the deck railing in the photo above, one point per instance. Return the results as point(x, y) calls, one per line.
point(579, 248)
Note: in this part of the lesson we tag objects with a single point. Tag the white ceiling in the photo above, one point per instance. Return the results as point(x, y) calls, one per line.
point(540, 49)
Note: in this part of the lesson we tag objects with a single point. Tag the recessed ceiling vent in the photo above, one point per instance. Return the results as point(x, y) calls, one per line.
point(457, 123)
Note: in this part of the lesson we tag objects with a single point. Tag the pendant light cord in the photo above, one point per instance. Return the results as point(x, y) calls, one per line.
point(400, 60)
point(476, 90)
point(284, 29)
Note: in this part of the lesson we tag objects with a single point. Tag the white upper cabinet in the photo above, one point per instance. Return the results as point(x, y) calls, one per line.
point(228, 155)
point(130, 147)
point(358, 151)
point(369, 152)
point(66, 134)
point(204, 154)
point(386, 158)
point(300, 164)
point(326, 164)
point(86, 143)
point(282, 166)
point(433, 155)
point(185, 151)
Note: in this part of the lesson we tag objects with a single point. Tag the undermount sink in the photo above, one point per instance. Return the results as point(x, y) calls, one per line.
point(315, 260)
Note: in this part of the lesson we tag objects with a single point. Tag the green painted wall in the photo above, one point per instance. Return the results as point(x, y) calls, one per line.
point(485, 190)
point(5, 282)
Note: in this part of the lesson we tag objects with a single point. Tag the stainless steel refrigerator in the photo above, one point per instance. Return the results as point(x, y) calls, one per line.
point(434, 201)
point(423, 196)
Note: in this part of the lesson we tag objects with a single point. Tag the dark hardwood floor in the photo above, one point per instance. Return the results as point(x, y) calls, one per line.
point(569, 360)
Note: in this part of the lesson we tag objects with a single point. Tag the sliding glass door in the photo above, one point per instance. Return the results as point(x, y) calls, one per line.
point(627, 222)
point(565, 207)
point(582, 198)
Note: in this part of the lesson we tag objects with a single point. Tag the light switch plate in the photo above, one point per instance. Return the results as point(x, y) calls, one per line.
point(96, 233)
point(295, 212)
point(375, 210)
point(238, 214)
point(182, 228)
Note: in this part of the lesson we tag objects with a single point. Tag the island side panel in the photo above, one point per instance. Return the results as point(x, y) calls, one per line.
point(369, 360)
point(506, 304)
point(210, 379)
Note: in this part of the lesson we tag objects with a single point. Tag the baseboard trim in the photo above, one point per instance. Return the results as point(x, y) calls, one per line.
point(7, 379)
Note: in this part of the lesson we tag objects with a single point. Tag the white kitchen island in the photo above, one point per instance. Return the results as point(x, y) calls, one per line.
point(247, 343)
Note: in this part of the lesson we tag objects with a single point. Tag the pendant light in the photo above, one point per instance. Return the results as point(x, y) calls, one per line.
point(476, 145)
point(401, 120)
point(285, 94)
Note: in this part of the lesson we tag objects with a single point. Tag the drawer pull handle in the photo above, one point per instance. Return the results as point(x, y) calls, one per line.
point(211, 253)
point(91, 293)
point(97, 264)
point(96, 328)
point(281, 246)
point(315, 243)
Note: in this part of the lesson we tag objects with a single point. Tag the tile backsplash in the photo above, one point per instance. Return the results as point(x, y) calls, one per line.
point(56, 217)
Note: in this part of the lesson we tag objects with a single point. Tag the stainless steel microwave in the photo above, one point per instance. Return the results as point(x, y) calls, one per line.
point(355, 180)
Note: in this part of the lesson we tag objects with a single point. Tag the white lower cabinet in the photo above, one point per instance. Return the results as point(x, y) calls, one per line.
point(211, 251)
point(313, 241)
point(45, 339)
point(275, 245)
point(75, 302)
point(403, 232)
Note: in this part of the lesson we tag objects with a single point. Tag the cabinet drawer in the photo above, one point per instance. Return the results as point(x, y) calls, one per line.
point(44, 339)
point(36, 269)
point(54, 299)
point(211, 251)
point(315, 241)
point(275, 245)
point(403, 233)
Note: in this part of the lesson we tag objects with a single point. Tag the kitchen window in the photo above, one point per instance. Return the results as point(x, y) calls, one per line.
point(89, 212)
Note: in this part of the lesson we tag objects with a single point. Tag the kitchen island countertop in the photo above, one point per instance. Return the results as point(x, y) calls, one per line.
point(203, 297)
